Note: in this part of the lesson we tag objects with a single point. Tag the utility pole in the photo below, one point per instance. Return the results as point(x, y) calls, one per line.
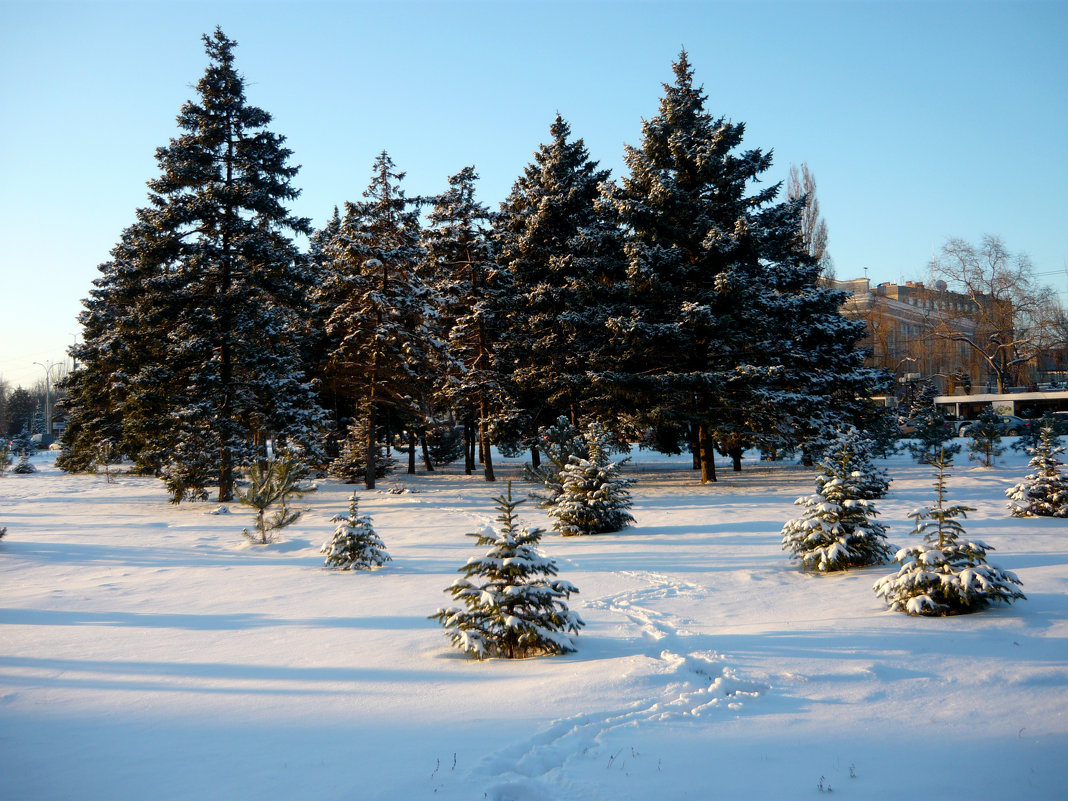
point(48, 395)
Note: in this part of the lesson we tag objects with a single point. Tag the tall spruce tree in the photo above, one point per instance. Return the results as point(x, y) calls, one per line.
point(216, 367)
point(379, 324)
point(729, 333)
point(472, 292)
point(693, 249)
point(564, 258)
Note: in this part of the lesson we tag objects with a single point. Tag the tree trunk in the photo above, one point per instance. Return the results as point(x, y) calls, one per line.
point(736, 458)
point(371, 451)
point(708, 455)
point(411, 453)
point(426, 452)
point(535, 457)
point(469, 448)
point(695, 447)
point(487, 457)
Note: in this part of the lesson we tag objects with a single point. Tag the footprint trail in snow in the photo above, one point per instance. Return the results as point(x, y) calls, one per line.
point(685, 686)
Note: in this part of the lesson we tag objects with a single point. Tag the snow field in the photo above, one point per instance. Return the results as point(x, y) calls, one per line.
point(149, 651)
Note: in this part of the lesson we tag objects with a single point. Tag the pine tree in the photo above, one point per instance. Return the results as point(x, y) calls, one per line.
point(947, 574)
point(559, 442)
point(985, 433)
point(564, 256)
point(356, 545)
point(1032, 435)
point(728, 333)
point(24, 466)
point(838, 529)
point(350, 465)
point(931, 435)
point(1044, 492)
point(593, 497)
point(5, 458)
point(379, 324)
point(512, 607)
point(210, 295)
point(472, 292)
point(272, 482)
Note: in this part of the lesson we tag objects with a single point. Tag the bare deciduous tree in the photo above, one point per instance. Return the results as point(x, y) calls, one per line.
point(1008, 317)
point(801, 183)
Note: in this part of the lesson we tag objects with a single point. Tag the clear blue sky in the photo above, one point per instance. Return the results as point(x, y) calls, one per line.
point(920, 120)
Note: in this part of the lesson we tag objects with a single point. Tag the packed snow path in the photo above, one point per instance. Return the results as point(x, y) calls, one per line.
point(161, 656)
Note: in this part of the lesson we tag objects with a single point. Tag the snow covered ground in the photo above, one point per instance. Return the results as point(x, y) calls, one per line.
point(149, 652)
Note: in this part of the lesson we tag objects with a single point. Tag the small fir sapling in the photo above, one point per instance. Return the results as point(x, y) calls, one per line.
point(349, 464)
point(985, 433)
point(104, 455)
point(558, 442)
point(3, 532)
point(1029, 439)
point(1044, 492)
point(355, 545)
point(593, 498)
point(512, 607)
point(932, 433)
point(24, 466)
point(873, 481)
point(837, 530)
point(948, 573)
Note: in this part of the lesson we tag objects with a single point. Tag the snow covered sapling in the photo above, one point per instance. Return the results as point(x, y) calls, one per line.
point(1043, 493)
point(559, 442)
point(947, 574)
point(985, 433)
point(593, 498)
point(5, 458)
point(24, 466)
point(350, 462)
point(104, 455)
point(872, 481)
point(837, 530)
point(512, 606)
point(1031, 435)
point(355, 545)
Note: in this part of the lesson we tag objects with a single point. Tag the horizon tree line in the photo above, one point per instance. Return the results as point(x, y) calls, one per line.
point(679, 307)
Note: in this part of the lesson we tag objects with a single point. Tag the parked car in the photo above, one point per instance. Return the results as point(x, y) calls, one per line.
point(1011, 425)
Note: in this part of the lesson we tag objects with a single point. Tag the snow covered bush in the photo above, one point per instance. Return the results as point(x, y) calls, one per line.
point(947, 574)
point(356, 545)
point(985, 433)
point(513, 608)
point(24, 466)
point(593, 497)
point(837, 530)
point(1043, 493)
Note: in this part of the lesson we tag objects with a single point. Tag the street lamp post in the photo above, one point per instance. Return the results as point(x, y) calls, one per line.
point(48, 395)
